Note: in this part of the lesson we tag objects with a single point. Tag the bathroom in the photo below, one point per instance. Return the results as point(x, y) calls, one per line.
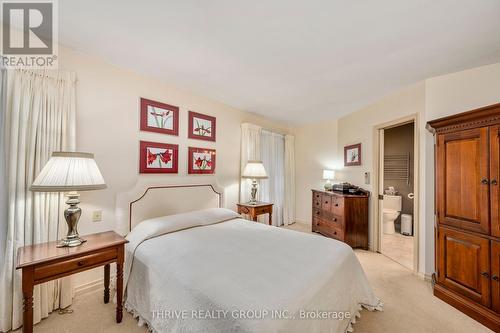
point(398, 204)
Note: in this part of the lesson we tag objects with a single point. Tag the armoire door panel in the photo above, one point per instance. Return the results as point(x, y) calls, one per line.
point(464, 264)
point(463, 170)
point(495, 275)
point(495, 179)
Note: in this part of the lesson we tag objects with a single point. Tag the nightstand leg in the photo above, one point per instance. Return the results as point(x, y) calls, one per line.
point(254, 218)
point(119, 286)
point(270, 218)
point(106, 284)
point(28, 284)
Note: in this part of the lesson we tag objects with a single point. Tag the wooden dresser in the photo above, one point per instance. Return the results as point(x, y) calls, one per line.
point(467, 230)
point(341, 216)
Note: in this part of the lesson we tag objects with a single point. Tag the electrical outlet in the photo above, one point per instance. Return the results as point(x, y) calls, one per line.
point(97, 216)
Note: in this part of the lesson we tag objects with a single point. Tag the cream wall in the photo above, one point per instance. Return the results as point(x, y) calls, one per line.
point(108, 126)
point(315, 150)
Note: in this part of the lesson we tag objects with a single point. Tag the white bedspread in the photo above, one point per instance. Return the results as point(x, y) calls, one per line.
point(192, 276)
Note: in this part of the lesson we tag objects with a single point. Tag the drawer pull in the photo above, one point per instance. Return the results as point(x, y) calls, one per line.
point(485, 274)
point(495, 278)
point(335, 233)
point(494, 182)
point(326, 202)
point(485, 181)
point(336, 205)
point(81, 263)
point(335, 219)
point(317, 213)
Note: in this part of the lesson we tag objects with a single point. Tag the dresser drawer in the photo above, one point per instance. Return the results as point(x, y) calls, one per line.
point(262, 210)
point(87, 261)
point(329, 229)
point(317, 199)
point(326, 203)
point(337, 206)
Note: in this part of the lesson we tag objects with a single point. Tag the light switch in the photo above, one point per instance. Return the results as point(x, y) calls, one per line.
point(97, 216)
point(367, 178)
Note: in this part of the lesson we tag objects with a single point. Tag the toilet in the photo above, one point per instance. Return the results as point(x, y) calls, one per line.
point(392, 209)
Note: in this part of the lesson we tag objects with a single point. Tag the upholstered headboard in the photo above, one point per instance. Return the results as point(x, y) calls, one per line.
point(159, 200)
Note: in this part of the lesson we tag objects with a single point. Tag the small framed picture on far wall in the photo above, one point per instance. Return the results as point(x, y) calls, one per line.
point(352, 155)
point(201, 160)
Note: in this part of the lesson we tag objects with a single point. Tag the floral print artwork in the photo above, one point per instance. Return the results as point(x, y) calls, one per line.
point(159, 158)
point(160, 118)
point(202, 127)
point(201, 161)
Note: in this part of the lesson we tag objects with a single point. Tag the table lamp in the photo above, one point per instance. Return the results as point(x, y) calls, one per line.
point(328, 175)
point(70, 172)
point(254, 170)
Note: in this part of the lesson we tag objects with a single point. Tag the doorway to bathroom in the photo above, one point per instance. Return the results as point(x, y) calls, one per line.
point(397, 200)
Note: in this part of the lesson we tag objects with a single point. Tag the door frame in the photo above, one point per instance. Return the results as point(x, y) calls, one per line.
point(378, 150)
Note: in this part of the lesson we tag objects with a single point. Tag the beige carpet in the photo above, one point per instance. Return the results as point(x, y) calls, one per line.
point(399, 248)
point(409, 306)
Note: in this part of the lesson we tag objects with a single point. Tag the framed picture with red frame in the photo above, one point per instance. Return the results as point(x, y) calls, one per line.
point(201, 160)
point(201, 126)
point(352, 155)
point(159, 117)
point(155, 157)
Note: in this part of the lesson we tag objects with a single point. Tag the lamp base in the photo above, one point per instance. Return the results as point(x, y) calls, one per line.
point(253, 193)
point(72, 215)
point(71, 242)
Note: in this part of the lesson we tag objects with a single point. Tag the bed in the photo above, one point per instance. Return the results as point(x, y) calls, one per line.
point(205, 269)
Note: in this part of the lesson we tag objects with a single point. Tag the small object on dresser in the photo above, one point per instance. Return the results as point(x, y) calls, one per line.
point(254, 210)
point(345, 188)
point(70, 172)
point(328, 175)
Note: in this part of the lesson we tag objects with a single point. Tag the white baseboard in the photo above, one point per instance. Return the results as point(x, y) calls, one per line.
point(88, 287)
point(425, 276)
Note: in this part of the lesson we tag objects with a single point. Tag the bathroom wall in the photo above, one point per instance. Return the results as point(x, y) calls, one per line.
point(397, 141)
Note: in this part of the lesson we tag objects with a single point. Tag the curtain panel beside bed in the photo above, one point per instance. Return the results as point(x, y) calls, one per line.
point(38, 118)
point(276, 151)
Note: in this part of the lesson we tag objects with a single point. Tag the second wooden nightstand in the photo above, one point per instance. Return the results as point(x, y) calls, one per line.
point(255, 210)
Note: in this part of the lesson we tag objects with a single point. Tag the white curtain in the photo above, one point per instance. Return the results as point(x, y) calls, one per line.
point(3, 173)
point(250, 150)
point(289, 200)
point(272, 189)
point(39, 119)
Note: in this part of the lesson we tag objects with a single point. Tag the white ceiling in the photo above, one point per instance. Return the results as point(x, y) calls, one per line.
point(294, 61)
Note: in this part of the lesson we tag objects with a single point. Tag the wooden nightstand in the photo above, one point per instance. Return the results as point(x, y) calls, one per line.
point(256, 210)
point(44, 262)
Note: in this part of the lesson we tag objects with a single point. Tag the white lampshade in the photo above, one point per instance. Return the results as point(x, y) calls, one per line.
point(328, 174)
point(254, 170)
point(69, 171)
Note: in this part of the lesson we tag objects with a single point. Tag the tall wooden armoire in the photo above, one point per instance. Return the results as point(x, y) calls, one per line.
point(467, 244)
